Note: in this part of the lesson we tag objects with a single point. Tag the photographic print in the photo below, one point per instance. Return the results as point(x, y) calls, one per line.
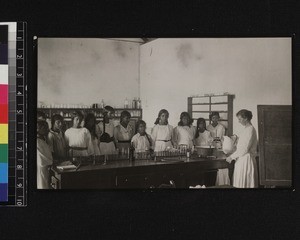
point(147, 113)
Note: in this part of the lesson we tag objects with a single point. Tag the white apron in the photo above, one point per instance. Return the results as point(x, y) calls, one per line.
point(162, 136)
point(79, 137)
point(184, 135)
point(223, 174)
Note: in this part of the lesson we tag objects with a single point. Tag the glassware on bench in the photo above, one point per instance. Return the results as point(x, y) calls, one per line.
point(105, 159)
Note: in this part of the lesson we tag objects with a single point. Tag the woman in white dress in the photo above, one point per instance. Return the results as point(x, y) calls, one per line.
point(44, 156)
point(217, 131)
point(90, 124)
point(184, 133)
point(202, 136)
point(124, 131)
point(105, 132)
point(78, 138)
point(162, 132)
point(142, 142)
point(245, 170)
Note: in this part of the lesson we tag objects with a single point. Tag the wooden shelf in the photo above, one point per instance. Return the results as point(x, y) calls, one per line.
point(68, 119)
point(209, 111)
point(216, 103)
point(227, 100)
point(206, 119)
point(98, 111)
point(222, 95)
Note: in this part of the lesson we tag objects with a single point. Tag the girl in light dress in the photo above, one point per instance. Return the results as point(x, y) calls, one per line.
point(56, 139)
point(162, 132)
point(245, 173)
point(44, 156)
point(105, 132)
point(90, 124)
point(184, 133)
point(124, 131)
point(142, 142)
point(78, 139)
point(202, 136)
point(217, 130)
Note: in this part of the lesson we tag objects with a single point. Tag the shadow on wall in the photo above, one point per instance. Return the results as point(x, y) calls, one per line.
point(119, 49)
point(186, 54)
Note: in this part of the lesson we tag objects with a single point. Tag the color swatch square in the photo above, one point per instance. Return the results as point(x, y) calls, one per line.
point(3, 133)
point(3, 74)
point(3, 153)
point(3, 192)
point(3, 173)
point(3, 94)
point(3, 113)
point(3, 44)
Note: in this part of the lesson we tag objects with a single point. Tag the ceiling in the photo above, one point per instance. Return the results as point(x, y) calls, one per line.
point(146, 40)
point(137, 40)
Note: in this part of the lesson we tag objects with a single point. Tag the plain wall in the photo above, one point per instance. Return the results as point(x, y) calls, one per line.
point(84, 71)
point(256, 70)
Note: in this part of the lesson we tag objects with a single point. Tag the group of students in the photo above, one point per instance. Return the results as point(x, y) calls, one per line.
point(86, 137)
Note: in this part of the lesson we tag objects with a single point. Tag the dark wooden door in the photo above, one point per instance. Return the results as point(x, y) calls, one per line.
point(275, 145)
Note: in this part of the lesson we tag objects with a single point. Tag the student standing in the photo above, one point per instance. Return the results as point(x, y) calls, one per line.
point(78, 138)
point(40, 115)
point(142, 142)
point(202, 136)
point(162, 132)
point(245, 169)
point(124, 131)
point(44, 156)
point(56, 139)
point(105, 131)
point(184, 133)
point(90, 124)
point(216, 129)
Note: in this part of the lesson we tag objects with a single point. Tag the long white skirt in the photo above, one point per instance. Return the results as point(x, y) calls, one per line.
point(107, 148)
point(245, 172)
point(162, 146)
point(222, 177)
point(96, 146)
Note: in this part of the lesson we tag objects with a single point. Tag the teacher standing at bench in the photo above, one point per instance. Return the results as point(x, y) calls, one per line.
point(245, 170)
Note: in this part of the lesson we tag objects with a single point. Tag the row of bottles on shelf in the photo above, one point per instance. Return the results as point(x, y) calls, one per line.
point(136, 103)
point(98, 114)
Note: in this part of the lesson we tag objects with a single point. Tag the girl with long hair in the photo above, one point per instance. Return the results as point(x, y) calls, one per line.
point(184, 133)
point(162, 132)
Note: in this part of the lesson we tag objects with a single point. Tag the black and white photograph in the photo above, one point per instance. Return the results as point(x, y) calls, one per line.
point(177, 113)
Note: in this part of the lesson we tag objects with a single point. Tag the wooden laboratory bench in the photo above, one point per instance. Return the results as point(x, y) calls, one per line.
point(126, 174)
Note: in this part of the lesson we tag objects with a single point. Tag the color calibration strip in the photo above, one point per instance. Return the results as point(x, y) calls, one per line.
point(3, 113)
point(16, 111)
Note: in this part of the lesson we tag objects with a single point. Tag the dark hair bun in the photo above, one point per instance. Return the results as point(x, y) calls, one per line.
point(246, 114)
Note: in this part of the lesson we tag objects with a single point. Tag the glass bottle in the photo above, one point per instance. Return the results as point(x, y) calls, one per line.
point(102, 104)
point(139, 103)
point(126, 103)
point(131, 153)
